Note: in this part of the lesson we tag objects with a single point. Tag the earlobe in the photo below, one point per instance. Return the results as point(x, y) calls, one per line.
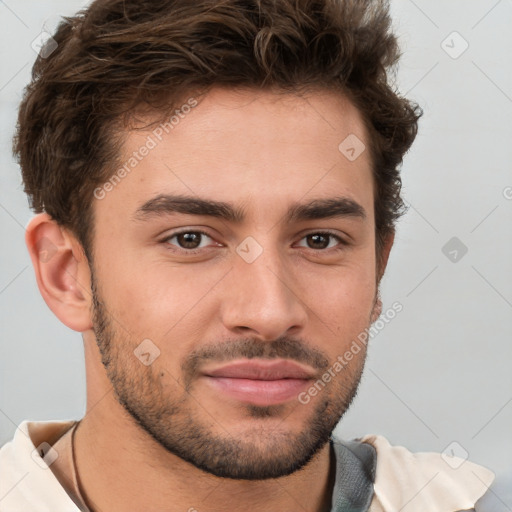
point(61, 270)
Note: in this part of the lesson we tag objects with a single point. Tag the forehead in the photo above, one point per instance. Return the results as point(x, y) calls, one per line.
point(247, 145)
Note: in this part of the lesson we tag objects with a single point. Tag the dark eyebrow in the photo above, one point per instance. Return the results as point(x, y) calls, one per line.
point(165, 204)
point(325, 209)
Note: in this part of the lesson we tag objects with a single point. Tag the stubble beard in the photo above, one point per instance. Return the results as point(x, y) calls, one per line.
point(184, 428)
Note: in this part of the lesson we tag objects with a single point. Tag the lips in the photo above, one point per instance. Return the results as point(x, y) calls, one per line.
point(262, 370)
point(260, 382)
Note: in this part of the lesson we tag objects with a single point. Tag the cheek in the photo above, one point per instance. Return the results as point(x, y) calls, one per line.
point(342, 303)
point(157, 300)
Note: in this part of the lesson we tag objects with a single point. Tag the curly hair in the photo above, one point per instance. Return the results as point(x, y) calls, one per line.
point(118, 56)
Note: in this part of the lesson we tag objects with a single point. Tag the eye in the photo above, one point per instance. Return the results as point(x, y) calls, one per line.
point(189, 240)
point(322, 241)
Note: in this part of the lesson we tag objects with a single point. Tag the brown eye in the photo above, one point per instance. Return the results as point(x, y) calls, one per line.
point(318, 241)
point(321, 241)
point(189, 240)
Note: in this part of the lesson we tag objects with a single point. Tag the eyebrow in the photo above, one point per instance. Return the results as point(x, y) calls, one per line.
point(165, 204)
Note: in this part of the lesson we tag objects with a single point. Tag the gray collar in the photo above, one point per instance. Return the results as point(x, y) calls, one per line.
point(355, 474)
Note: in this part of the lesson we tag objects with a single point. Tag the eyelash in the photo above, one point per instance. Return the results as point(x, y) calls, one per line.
point(342, 243)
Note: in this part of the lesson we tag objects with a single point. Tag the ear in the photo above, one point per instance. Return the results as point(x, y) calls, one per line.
point(62, 271)
point(382, 258)
point(382, 261)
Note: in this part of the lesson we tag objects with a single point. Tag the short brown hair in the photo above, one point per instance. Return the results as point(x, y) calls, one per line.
point(120, 55)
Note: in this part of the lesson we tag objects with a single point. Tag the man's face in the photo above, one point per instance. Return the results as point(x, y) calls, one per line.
point(250, 314)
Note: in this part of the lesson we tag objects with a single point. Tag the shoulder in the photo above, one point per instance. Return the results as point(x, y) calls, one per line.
point(26, 480)
point(424, 481)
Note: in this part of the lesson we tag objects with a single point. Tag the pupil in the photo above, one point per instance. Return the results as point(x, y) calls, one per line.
point(189, 240)
point(321, 240)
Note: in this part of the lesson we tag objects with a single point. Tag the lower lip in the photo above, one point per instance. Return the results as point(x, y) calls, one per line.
point(259, 392)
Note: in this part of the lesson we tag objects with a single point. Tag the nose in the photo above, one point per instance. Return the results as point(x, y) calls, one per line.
point(262, 299)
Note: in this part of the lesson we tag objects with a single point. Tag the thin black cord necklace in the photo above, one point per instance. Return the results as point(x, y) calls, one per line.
point(81, 494)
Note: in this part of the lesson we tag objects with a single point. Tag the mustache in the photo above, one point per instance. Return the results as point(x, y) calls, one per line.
point(249, 348)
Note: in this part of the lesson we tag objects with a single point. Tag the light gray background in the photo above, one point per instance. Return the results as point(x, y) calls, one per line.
point(441, 370)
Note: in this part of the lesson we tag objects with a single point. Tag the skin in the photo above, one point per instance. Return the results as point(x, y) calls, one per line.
point(261, 152)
